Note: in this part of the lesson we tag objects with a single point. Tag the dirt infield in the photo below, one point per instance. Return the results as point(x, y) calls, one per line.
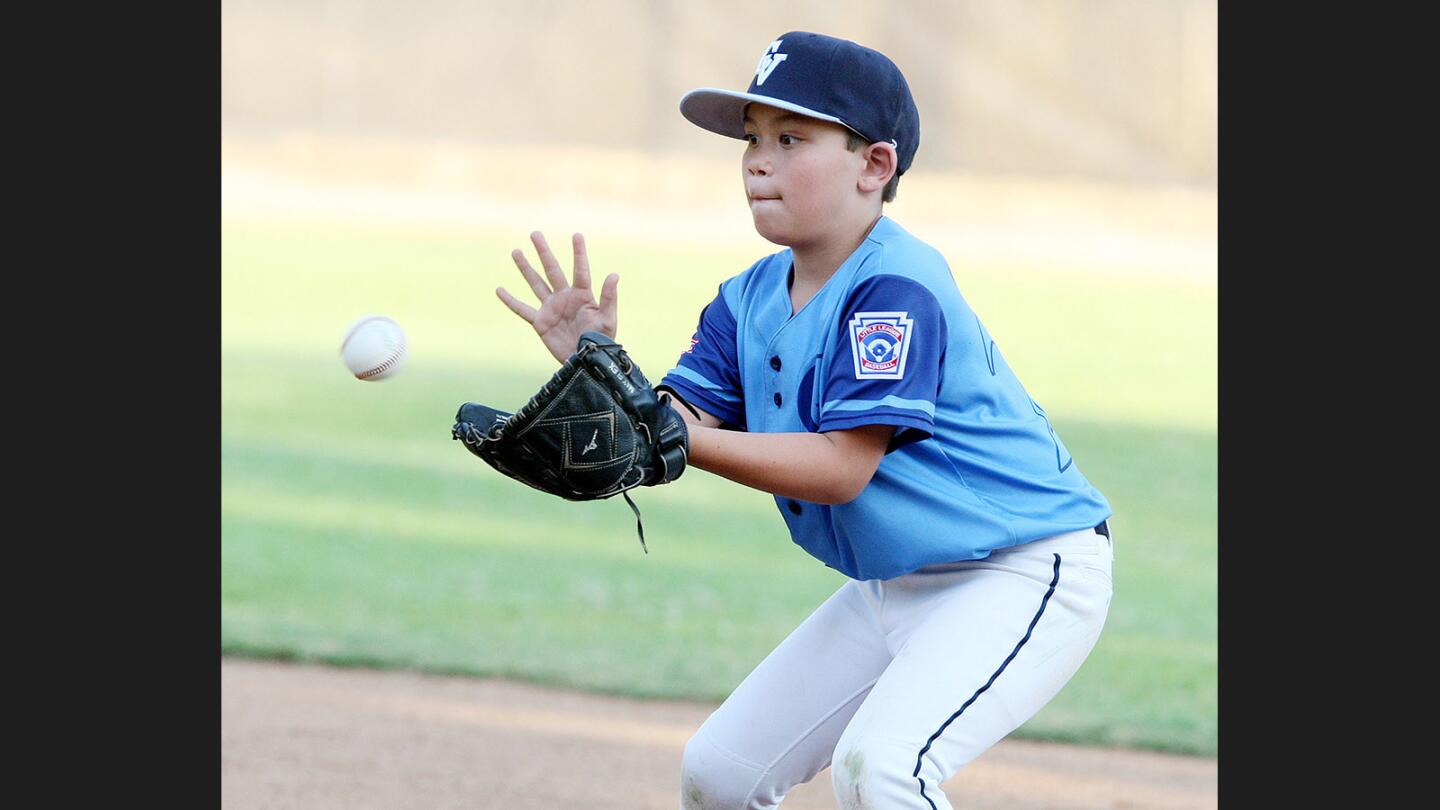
point(319, 737)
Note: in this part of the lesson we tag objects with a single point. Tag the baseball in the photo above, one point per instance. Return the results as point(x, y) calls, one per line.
point(374, 348)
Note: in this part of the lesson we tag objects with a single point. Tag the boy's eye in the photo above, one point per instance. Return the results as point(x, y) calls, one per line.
point(785, 140)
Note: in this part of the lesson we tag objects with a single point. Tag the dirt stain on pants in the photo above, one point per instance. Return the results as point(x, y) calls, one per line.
point(851, 791)
point(692, 797)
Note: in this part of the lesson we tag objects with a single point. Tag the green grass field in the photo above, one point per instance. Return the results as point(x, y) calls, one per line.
point(355, 531)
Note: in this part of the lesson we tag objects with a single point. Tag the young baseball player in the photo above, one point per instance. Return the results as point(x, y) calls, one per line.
point(846, 375)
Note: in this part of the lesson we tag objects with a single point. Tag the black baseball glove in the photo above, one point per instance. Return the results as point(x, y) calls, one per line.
point(595, 430)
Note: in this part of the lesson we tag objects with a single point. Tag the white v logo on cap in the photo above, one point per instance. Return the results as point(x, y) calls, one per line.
point(768, 61)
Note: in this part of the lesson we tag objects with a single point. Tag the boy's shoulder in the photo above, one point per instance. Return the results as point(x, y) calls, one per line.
point(899, 248)
point(894, 251)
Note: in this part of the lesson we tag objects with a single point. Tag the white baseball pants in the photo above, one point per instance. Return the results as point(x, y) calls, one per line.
point(899, 683)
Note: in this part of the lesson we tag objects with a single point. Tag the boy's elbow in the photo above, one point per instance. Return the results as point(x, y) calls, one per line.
point(847, 489)
point(858, 456)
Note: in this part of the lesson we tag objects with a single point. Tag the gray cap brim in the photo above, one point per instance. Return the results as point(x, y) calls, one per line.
point(723, 111)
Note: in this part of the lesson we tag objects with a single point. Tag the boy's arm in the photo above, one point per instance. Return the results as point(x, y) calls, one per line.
point(828, 468)
point(689, 412)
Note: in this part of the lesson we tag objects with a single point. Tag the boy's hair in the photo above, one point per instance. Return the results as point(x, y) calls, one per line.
point(854, 142)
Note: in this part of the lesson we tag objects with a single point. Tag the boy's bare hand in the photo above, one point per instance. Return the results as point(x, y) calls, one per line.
point(566, 310)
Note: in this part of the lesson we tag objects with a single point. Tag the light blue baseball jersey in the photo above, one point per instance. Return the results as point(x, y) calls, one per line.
point(974, 465)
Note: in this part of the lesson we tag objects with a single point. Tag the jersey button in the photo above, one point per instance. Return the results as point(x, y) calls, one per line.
point(777, 399)
point(775, 362)
point(794, 508)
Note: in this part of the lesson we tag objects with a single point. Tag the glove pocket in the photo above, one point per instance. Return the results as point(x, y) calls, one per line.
point(593, 440)
point(595, 451)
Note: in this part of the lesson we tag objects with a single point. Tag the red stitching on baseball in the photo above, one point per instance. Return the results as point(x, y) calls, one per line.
point(390, 361)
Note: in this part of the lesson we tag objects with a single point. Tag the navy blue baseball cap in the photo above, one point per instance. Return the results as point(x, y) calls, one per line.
point(821, 77)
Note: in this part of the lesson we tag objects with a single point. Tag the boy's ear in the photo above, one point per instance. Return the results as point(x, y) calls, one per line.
point(881, 161)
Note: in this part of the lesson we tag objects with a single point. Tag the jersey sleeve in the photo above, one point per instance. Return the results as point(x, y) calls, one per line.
point(708, 373)
point(886, 361)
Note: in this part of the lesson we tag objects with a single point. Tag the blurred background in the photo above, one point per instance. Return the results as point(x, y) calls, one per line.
point(385, 157)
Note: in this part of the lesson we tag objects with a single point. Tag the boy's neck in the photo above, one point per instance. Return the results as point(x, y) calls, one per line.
point(815, 263)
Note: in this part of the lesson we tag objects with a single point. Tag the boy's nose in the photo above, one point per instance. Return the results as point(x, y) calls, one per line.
point(756, 162)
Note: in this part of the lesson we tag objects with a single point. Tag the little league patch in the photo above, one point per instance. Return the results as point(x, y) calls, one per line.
point(879, 342)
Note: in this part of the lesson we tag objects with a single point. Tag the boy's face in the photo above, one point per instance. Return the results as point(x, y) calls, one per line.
point(800, 181)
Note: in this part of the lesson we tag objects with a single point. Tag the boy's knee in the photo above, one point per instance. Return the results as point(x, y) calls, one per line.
point(711, 780)
point(863, 771)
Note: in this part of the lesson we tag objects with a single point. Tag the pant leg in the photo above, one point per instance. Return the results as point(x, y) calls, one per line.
point(979, 650)
point(779, 727)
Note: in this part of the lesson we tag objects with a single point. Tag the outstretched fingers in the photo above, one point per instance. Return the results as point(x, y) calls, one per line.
point(547, 260)
point(517, 306)
point(582, 262)
point(542, 290)
point(610, 297)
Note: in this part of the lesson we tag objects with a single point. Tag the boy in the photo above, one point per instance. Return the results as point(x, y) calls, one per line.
point(847, 376)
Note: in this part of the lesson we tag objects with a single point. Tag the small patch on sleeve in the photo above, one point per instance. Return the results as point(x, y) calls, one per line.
point(879, 343)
